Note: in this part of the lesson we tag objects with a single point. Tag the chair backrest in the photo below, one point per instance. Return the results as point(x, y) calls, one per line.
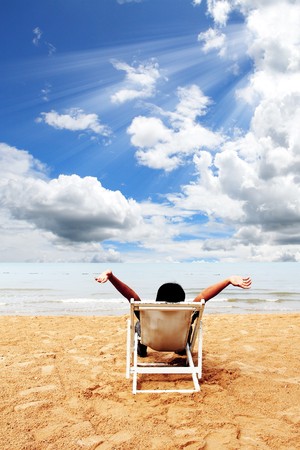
point(166, 330)
point(166, 326)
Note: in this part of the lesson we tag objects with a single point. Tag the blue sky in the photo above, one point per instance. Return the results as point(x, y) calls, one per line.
point(151, 130)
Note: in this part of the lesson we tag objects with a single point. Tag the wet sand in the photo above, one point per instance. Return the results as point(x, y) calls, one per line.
point(63, 387)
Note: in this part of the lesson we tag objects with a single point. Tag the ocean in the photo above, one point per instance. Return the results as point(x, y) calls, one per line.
point(70, 289)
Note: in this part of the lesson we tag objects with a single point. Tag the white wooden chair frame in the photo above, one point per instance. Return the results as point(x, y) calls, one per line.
point(134, 367)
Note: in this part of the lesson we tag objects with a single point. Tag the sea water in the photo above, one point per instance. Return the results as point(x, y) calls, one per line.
point(71, 289)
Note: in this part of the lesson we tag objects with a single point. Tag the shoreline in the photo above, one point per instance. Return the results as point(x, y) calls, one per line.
point(119, 314)
point(64, 386)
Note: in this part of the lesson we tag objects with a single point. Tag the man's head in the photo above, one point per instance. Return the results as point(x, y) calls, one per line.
point(170, 292)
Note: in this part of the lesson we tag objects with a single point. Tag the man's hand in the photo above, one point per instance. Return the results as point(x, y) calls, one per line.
point(244, 283)
point(104, 276)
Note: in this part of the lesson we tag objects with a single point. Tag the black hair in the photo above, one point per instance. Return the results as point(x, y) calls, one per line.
point(170, 292)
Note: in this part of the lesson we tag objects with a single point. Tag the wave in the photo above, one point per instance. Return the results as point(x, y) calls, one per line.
point(93, 300)
point(253, 300)
point(26, 290)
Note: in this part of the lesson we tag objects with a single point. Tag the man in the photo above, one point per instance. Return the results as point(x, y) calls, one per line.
point(172, 292)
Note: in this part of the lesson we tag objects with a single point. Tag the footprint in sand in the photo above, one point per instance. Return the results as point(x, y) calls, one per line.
point(244, 332)
point(47, 370)
point(84, 337)
point(249, 348)
point(24, 364)
point(23, 406)
point(292, 415)
point(91, 441)
point(38, 389)
point(289, 380)
point(82, 360)
point(86, 360)
point(34, 390)
point(116, 440)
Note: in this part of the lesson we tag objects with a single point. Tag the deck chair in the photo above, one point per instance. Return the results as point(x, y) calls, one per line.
point(165, 327)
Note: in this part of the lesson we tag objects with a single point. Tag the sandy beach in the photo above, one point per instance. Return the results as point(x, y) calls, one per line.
point(63, 387)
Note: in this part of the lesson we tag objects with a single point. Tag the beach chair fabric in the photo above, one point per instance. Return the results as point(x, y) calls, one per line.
point(165, 327)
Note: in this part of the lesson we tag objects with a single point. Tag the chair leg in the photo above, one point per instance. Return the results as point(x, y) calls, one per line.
point(191, 364)
point(128, 349)
point(134, 380)
point(200, 352)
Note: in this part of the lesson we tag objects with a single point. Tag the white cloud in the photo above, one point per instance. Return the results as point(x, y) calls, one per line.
point(72, 208)
point(207, 195)
point(219, 9)
point(18, 163)
point(148, 131)
point(275, 48)
point(140, 81)
point(75, 120)
point(46, 91)
point(37, 40)
point(192, 103)
point(213, 39)
point(51, 48)
point(162, 146)
point(22, 241)
point(37, 33)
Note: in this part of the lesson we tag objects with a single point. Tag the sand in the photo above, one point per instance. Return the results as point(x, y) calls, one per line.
point(63, 387)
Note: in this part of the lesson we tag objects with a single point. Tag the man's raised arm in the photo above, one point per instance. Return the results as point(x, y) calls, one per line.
point(215, 289)
point(125, 290)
